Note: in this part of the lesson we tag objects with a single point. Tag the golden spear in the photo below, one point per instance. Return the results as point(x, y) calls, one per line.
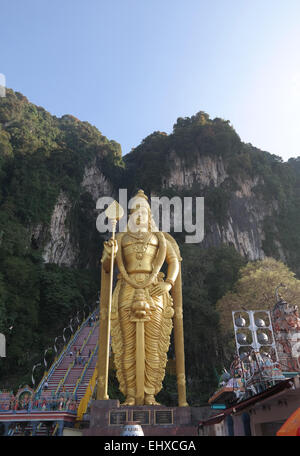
point(114, 212)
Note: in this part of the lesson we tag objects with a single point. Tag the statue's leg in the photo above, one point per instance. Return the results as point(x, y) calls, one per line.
point(128, 357)
point(153, 371)
point(157, 342)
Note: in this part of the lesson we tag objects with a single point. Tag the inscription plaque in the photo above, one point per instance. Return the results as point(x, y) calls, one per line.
point(163, 417)
point(143, 416)
point(117, 418)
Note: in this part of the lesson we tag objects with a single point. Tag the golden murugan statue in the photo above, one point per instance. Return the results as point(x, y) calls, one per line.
point(142, 309)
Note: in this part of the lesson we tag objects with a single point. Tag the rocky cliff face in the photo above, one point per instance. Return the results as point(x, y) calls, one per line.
point(56, 240)
point(242, 226)
point(205, 171)
point(59, 249)
point(60, 245)
point(95, 183)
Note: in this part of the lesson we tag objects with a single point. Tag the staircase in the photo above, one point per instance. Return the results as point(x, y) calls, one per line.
point(64, 377)
point(87, 375)
point(80, 352)
point(89, 339)
point(67, 378)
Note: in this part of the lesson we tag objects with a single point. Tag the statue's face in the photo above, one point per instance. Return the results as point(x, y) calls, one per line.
point(139, 219)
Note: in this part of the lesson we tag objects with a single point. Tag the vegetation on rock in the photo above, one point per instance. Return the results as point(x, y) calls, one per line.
point(40, 156)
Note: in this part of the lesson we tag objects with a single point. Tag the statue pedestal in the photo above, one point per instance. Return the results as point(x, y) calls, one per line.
point(108, 418)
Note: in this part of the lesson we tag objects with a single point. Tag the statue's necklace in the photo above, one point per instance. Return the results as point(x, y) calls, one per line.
point(141, 246)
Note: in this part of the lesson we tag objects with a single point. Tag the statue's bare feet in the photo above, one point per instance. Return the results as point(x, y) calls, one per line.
point(150, 400)
point(129, 401)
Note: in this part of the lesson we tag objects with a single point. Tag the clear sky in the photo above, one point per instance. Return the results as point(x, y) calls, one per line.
point(131, 67)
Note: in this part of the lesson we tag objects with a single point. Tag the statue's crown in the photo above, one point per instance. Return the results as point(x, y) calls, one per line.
point(139, 200)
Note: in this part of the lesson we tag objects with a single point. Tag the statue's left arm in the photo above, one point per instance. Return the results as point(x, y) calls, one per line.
point(173, 264)
point(173, 269)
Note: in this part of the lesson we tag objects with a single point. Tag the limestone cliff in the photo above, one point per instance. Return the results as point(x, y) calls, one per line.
point(95, 182)
point(59, 249)
point(250, 196)
point(204, 170)
point(242, 226)
point(60, 245)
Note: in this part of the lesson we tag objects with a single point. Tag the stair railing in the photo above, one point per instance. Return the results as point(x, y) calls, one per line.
point(84, 369)
point(91, 331)
point(87, 339)
point(55, 429)
point(91, 356)
point(62, 381)
point(83, 405)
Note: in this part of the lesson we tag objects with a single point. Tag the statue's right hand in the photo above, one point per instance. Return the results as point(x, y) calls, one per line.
point(109, 244)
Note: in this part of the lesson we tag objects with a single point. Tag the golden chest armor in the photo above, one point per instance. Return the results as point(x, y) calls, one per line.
point(139, 251)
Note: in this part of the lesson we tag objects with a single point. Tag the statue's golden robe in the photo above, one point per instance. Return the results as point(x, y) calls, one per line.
point(157, 329)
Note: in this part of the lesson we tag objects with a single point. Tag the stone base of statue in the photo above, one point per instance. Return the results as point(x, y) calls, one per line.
point(109, 417)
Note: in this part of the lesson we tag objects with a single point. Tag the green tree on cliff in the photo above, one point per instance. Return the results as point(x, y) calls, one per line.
point(255, 290)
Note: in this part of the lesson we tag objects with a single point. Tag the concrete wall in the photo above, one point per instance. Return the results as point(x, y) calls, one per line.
point(268, 418)
point(72, 432)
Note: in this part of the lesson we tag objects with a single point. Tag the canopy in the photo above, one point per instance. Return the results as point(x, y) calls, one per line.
point(291, 426)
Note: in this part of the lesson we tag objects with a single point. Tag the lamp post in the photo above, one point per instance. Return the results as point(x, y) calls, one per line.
point(77, 317)
point(2, 346)
point(54, 346)
point(82, 312)
point(89, 307)
point(10, 327)
point(45, 361)
point(70, 325)
point(67, 327)
point(32, 377)
point(72, 320)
